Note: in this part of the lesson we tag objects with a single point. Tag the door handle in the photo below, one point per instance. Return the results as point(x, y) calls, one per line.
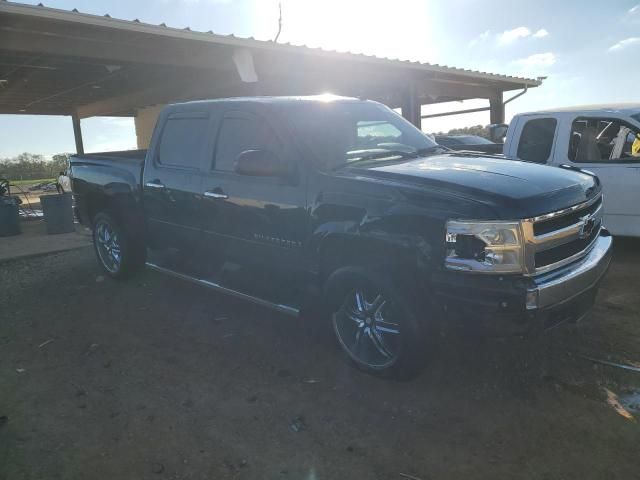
point(216, 194)
point(155, 184)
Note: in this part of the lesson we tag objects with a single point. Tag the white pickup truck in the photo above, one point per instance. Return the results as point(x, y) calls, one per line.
point(603, 139)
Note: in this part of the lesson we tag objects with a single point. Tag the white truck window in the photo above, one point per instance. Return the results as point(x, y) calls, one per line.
point(597, 140)
point(536, 140)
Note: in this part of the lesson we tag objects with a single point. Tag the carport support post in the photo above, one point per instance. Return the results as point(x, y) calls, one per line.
point(411, 107)
point(496, 109)
point(77, 133)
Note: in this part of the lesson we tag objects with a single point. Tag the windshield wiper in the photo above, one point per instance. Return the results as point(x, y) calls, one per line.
point(433, 149)
point(378, 155)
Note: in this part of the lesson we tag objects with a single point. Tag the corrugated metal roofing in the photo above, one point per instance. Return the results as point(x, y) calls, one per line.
point(249, 42)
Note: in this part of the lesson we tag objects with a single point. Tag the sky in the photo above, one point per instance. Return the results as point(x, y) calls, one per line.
point(588, 50)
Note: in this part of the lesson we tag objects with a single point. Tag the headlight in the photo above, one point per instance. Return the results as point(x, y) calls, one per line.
point(485, 247)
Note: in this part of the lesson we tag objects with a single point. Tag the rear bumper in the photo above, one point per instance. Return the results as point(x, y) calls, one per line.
point(562, 286)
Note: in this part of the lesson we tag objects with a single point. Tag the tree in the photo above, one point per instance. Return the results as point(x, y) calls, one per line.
point(28, 166)
point(478, 130)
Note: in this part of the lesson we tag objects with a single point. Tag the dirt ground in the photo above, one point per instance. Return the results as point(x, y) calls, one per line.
point(159, 379)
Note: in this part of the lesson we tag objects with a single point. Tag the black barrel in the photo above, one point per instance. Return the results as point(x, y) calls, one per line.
point(9, 219)
point(58, 213)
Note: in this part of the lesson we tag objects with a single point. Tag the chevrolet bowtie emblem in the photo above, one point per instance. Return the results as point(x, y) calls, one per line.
point(586, 229)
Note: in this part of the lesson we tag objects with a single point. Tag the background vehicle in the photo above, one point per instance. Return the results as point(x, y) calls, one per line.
point(283, 200)
point(604, 139)
point(468, 142)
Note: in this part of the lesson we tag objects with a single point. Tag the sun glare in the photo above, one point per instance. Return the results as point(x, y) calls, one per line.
point(400, 29)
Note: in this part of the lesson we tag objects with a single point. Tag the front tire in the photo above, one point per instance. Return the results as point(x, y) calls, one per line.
point(117, 252)
point(376, 324)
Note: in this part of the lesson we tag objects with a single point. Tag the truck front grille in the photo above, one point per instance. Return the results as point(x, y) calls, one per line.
point(556, 223)
point(559, 238)
point(567, 250)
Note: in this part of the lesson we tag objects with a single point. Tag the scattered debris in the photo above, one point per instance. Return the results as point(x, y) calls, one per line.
point(611, 364)
point(220, 318)
point(80, 392)
point(630, 400)
point(20, 370)
point(228, 335)
point(31, 213)
point(613, 402)
point(100, 278)
point(410, 477)
point(45, 343)
point(92, 348)
point(311, 381)
point(298, 424)
point(157, 468)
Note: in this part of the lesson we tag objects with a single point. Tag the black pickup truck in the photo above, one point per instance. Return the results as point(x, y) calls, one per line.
point(342, 207)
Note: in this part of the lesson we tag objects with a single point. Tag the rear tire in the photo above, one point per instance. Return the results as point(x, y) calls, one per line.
point(117, 252)
point(376, 323)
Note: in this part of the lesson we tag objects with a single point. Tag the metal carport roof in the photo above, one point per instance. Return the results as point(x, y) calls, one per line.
point(62, 62)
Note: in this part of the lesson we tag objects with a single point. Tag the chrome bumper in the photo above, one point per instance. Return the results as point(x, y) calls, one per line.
point(565, 284)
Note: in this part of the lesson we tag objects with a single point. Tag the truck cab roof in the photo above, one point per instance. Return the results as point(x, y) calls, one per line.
point(324, 98)
point(628, 108)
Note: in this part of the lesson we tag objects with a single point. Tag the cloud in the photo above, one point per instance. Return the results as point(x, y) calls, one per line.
point(627, 42)
point(537, 61)
point(541, 33)
point(480, 38)
point(635, 9)
point(509, 36)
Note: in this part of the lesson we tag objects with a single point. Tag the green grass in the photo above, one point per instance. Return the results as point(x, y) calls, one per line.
point(21, 183)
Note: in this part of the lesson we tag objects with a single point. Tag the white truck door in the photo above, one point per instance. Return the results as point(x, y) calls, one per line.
point(603, 145)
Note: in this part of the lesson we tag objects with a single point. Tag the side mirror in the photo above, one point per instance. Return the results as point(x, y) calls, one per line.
point(498, 131)
point(259, 163)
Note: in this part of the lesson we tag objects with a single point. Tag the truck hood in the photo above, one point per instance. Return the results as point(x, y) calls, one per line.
point(512, 189)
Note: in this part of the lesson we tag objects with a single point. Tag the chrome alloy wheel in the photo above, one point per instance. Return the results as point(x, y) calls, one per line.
point(367, 327)
point(108, 247)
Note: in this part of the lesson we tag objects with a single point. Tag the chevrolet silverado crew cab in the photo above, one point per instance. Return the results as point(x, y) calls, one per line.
point(604, 139)
point(287, 201)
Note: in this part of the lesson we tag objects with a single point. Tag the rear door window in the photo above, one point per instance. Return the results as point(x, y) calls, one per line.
point(536, 140)
point(184, 140)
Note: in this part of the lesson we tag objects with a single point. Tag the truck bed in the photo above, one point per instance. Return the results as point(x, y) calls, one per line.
point(105, 174)
point(130, 161)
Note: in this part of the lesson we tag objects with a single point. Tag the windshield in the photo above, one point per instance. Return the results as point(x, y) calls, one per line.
point(636, 117)
point(339, 133)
